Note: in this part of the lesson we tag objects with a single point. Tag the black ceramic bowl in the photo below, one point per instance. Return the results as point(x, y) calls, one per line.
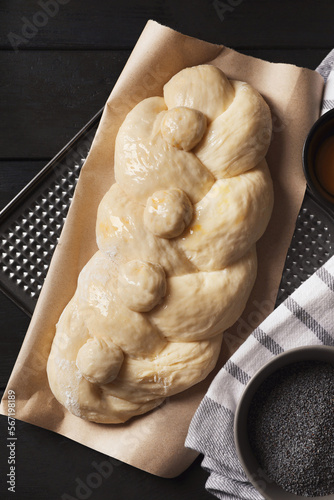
point(257, 476)
point(322, 130)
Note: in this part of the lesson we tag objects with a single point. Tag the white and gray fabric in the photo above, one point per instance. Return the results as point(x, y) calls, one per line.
point(326, 70)
point(304, 318)
point(326, 66)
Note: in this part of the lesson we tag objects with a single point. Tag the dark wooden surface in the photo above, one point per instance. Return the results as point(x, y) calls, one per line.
point(53, 79)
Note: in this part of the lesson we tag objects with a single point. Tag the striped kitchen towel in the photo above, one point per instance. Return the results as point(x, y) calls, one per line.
point(326, 70)
point(309, 314)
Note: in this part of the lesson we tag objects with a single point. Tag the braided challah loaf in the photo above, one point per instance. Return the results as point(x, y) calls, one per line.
point(176, 262)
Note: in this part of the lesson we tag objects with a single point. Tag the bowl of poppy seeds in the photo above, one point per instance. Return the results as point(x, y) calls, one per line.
point(284, 425)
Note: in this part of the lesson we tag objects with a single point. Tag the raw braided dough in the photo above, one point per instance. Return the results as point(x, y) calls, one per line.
point(176, 262)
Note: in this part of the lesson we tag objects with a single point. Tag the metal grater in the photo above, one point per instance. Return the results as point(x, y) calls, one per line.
point(31, 224)
point(311, 246)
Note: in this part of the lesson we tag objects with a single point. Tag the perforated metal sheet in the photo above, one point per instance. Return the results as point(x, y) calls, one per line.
point(311, 246)
point(31, 224)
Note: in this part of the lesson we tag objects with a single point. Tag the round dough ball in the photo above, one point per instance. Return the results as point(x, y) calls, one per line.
point(183, 127)
point(141, 285)
point(168, 213)
point(99, 361)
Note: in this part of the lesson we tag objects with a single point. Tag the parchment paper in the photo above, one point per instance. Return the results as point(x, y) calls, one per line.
point(155, 442)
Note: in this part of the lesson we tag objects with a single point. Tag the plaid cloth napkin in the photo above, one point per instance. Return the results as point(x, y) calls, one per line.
point(309, 313)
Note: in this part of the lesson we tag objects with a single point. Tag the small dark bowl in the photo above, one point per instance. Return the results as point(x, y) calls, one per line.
point(257, 476)
point(321, 130)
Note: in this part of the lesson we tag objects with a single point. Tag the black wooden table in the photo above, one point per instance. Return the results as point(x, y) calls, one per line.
point(59, 59)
